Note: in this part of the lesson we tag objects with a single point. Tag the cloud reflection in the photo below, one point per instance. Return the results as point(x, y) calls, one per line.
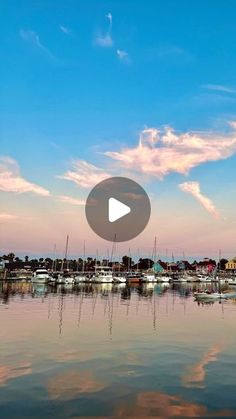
point(68, 385)
point(195, 377)
point(9, 372)
point(162, 405)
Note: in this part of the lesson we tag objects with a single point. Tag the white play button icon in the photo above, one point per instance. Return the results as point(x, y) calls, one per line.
point(117, 210)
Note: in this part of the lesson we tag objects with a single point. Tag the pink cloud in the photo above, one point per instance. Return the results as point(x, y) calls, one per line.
point(85, 174)
point(69, 200)
point(7, 217)
point(232, 124)
point(160, 153)
point(12, 181)
point(193, 188)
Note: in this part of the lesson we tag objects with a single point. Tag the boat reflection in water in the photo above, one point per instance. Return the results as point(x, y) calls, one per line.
point(115, 350)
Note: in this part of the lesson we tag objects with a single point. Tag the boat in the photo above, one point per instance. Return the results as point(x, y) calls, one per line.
point(119, 279)
point(231, 281)
point(214, 295)
point(134, 278)
point(103, 275)
point(163, 278)
point(179, 279)
point(65, 278)
point(148, 278)
point(81, 279)
point(40, 276)
point(69, 280)
point(208, 295)
point(203, 278)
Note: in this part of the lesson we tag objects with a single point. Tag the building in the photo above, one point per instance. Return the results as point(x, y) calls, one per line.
point(184, 265)
point(159, 267)
point(206, 267)
point(231, 265)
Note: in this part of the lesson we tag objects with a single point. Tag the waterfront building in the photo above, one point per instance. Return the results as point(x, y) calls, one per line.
point(231, 265)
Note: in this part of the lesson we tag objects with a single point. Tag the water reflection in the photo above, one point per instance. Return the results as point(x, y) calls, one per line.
point(162, 405)
point(110, 295)
point(195, 377)
point(115, 350)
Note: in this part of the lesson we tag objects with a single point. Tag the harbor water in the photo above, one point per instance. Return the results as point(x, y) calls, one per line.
point(115, 351)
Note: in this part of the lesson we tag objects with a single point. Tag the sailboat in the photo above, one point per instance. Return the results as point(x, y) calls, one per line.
point(82, 278)
point(149, 277)
point(165, 277)
point(65, 278)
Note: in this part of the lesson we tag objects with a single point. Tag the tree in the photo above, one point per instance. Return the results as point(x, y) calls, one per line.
point(127, 262)
point(223, 264)
point(11, 257)
point(26, 258)
point(145, 264)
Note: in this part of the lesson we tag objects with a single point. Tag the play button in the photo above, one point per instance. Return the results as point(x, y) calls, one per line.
point(117, 209)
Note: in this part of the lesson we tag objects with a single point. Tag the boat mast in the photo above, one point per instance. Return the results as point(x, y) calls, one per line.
point(66, 253)
point(54, 258)
point(155, 250)
point(129, 264)
point(113, 249)
point(83, 258)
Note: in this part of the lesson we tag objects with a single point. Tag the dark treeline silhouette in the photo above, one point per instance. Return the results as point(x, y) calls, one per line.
point(13, 262)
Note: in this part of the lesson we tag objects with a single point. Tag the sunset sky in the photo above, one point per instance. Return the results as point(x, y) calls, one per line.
point(140, 89)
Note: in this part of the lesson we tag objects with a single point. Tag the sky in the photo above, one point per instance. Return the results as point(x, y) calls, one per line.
point(95, 89)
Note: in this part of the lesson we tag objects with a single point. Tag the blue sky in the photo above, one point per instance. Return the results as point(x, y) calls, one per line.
point(78, 79)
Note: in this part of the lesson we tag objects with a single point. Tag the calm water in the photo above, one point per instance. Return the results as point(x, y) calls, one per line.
point(115, 351)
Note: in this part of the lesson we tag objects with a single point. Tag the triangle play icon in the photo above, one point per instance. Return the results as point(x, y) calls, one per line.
point(117, 210)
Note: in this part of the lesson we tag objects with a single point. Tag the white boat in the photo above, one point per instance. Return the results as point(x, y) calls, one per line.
point(119, 279)
point(214, 295)
point(60, 279)
point(189, 278)
point(208, 295)
point(65, 279)
point(81, 279)
point(231, 281)
point(180, 279)
point(69, 280)
point(148, 278)
point(203, 278)
point(163, 278)
point(40, 276)
point(103, 275)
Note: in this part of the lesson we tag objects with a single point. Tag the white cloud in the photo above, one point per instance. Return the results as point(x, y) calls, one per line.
point(170, 50)
point(85, 174)
point(109, 17)
point(122, 55)
point(160, 153)
point(193, 188)
point(219, 88)
point(105, 39)
point(65, 30)
point(12, 181)
point(33, 38)
point(69, 200)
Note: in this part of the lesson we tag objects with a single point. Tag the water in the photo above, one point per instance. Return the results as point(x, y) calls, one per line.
point(115, 351)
